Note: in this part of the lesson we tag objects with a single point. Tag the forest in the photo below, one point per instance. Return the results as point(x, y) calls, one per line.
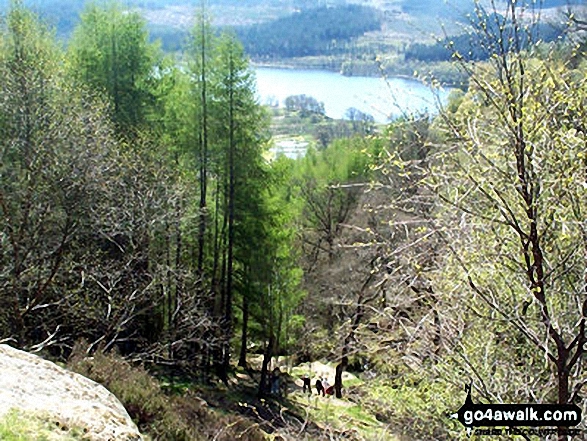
point(315, 31)
point(475, 48)
point(147, 241)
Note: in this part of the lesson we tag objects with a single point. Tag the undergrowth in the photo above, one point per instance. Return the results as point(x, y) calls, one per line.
point(18, 426)
point(162, 417)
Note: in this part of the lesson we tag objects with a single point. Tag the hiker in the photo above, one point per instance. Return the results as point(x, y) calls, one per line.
point(319, 386)
point(307, 384)
point(328, 389)
point(275, 381)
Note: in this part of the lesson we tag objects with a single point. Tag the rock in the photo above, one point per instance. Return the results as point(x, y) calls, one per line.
point(34, 386)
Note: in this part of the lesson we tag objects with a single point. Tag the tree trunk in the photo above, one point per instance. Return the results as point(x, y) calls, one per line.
point(243, 353)
point(563, 393)
point(358, 316)
point(563, 384)
point(265, 368)
point(231, 222)
point(203, 149)
point(338, 376)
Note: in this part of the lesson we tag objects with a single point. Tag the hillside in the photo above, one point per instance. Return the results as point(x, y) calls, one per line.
point(63, 13)
point(261, 25)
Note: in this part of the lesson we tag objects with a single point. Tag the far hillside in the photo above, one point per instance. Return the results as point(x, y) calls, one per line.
point(311, 32)
point(379, 25)
point(358, 37)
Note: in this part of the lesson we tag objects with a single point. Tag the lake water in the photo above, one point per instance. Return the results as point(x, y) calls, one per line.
point(384, 100)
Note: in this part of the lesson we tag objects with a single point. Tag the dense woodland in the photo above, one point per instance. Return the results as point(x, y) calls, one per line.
point(315, 31)
point(476, 47)
point(138, 210)
point(139, 216)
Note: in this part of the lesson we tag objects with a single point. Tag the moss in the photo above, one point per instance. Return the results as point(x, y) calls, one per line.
point(17, 426)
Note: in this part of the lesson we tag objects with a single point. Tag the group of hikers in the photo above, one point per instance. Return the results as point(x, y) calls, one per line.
point(322, 386)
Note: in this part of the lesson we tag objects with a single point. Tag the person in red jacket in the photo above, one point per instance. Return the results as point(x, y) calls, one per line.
point(328, 389)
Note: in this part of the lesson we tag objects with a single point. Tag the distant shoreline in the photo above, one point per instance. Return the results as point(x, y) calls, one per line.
point(446, 80)
point(295, 67)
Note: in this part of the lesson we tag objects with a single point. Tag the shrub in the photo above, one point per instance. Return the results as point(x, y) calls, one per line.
point(158, 415)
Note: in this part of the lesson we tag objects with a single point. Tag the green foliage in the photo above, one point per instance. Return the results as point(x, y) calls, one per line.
point(500, 186)
point(56, 150)
point(322, 183)
point(417, 406)
point(177, 237)
point(346, 419)
point(304, 104)
point(163, 417)
point(171, 38)
point(474, 48)
point(309, 32)
point(16, 426)
point(344, 161)
point(110, 53)
point(218, 133)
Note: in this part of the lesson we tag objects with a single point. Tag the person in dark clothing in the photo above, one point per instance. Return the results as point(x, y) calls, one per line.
point(320, 387)
point(275, 381)
point(307, 384)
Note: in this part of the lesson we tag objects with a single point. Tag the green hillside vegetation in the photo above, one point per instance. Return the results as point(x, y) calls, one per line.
point(310, 32)
point(383, 38)
point(148, 242)
point(16, 426)
point(318, 129)
point(473, 48)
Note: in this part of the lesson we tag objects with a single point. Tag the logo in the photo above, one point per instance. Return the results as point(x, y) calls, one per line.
point(473, 415)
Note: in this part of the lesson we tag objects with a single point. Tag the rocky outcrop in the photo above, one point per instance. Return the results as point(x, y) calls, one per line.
point(34, 386)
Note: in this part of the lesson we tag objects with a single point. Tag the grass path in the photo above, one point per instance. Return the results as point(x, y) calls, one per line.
point(344, 416)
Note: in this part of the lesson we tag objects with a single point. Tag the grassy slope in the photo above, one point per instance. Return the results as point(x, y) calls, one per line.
point(346, 415)
point(298, 414)
point(182, 410)
point(16, 426)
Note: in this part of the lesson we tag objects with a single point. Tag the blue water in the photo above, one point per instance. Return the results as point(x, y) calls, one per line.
point(383, 100)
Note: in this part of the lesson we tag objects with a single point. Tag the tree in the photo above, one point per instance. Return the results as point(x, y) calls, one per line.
point(363, 123)
point(240, 130)
point(323, 182)
point(110, 53)
point(312, 31)
point(276, 276)
point(304, 104)
point(203, 49)
point(64, 203)
point(28, 64)
point(328, 189)
point(504, 186)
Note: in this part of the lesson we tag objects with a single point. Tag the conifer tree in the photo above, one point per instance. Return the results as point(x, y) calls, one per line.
point(111, 55)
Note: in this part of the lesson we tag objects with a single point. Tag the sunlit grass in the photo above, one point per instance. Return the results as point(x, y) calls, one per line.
point(17, 426)
point(342, 416)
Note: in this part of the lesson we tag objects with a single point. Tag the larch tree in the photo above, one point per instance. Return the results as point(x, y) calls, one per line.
point(29, 61)
point(202, 54)
point(110, 53)
point(240, 128)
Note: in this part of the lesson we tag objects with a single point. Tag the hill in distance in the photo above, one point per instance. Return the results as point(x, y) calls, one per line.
point(64, 14)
